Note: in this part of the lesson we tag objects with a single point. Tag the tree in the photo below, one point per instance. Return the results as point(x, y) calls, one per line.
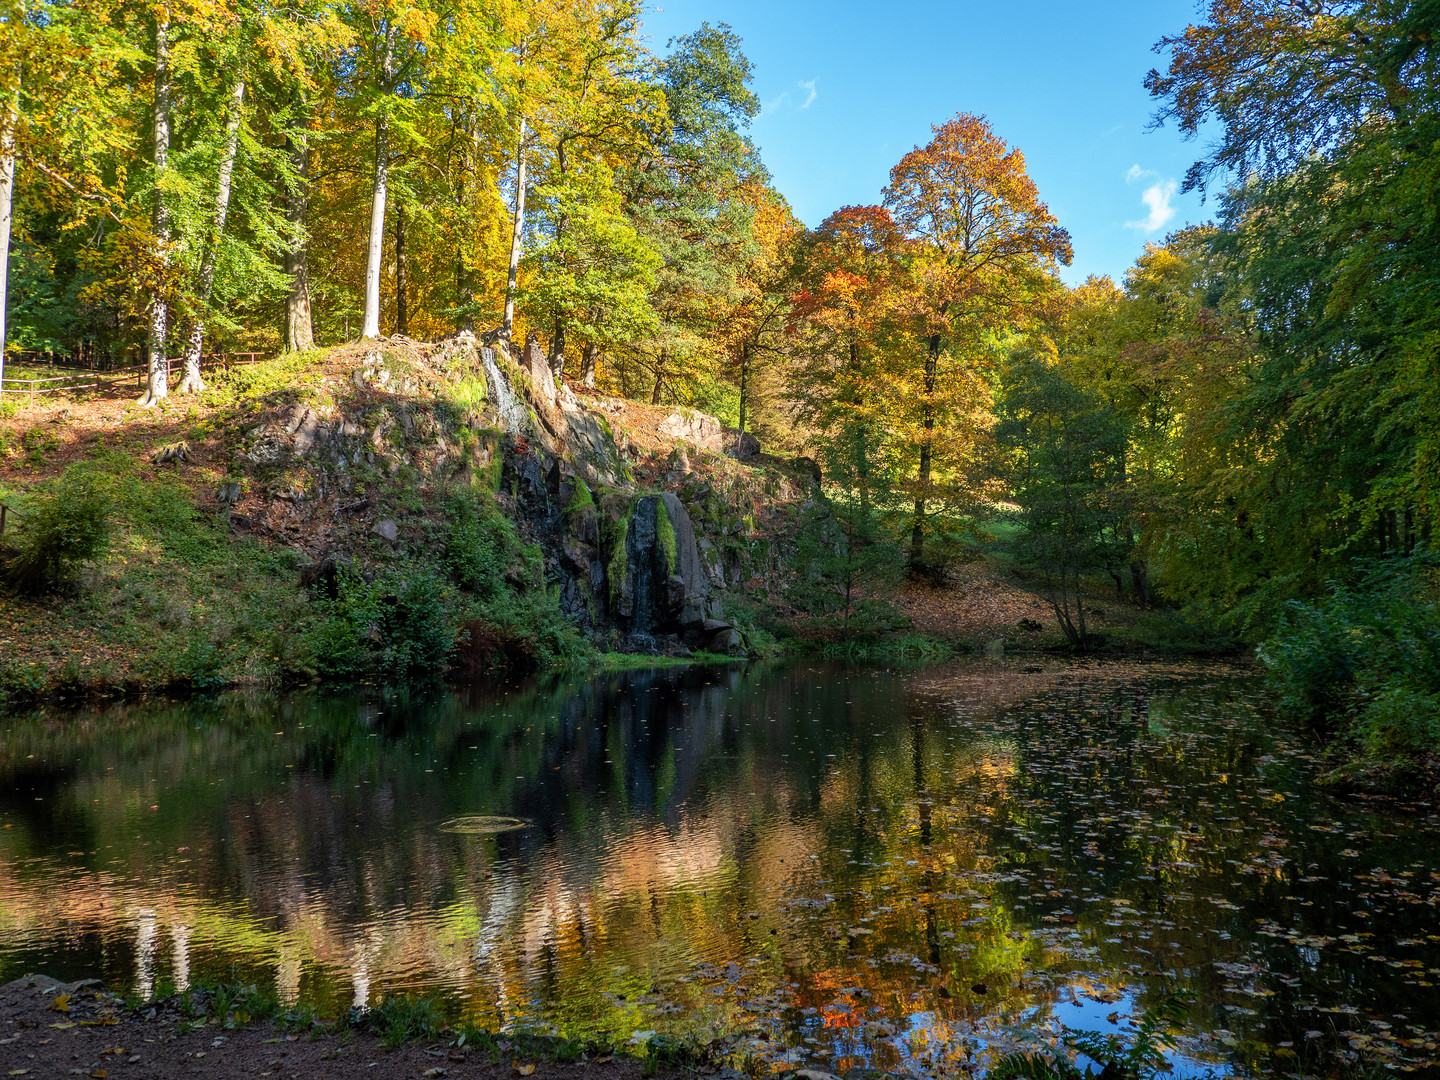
point(987, 243)
point(850, 315)
point(1064, 449)
point(686, 199)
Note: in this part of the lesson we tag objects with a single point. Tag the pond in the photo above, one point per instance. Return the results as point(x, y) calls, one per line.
point(837, 866)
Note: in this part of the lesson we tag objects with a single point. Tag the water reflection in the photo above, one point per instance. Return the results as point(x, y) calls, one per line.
point(863, 867)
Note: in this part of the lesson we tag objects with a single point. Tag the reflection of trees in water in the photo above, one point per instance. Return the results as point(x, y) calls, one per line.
point(676, 816)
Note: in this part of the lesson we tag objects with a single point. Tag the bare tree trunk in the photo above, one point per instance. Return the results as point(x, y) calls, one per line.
point(192, 383)
point(659, 380)
point(157, 387)
point(371, 328)
point(557, 349)
point(402, 311)
point(917, 525)
point(588, 362)
point(744, 384)
point(7, 204)
point(299, 325)
point(517, 238)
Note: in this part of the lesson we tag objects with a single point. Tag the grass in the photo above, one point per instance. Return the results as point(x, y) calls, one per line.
point(897, 650)
point(614, 661)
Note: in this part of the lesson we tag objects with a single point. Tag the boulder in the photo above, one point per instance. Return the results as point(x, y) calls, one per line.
point(694, 589)
point(694, 427)
point(741, 445)
point(386, 529)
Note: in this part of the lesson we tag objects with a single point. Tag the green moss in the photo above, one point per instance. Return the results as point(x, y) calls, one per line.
point(581, 498)
point(665, 533)
point(619, 565)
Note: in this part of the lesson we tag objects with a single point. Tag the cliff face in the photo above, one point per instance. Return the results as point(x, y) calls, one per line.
point(642, 520)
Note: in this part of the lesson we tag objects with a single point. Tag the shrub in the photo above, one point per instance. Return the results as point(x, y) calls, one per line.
point(479, 548)
point(69, 527)
point(401, 623)
point(1366, 661)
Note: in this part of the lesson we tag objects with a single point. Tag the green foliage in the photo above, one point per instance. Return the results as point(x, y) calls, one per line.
point(1143, 1059)
point(1064, 452)
point(479, 547)
point(401, 623)
point(397, 1019)
point(1365, 661)
point(69, 526)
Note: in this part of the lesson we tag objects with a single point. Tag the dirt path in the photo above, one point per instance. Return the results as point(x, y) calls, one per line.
point(55, 1031)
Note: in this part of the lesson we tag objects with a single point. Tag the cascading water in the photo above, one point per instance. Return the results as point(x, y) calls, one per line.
point(513, 413)
point(641, 542)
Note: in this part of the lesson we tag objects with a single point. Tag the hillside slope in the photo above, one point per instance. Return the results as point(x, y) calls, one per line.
point(379, 508)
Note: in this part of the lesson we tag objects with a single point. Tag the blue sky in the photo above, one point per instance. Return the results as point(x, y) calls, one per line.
point(849, 87)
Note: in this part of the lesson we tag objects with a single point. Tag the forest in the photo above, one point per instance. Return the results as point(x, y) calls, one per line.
point(1243, 433)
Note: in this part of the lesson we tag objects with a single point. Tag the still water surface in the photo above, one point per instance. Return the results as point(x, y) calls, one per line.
point(828, 865)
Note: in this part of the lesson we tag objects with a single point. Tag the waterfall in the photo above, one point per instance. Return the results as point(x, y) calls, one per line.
point(640, 544)
point(514, 416)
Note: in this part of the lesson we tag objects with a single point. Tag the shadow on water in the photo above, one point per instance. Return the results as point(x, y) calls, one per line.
point(846, 866)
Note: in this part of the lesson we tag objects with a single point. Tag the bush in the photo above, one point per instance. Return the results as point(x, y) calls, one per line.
point(401, 623)
point(1365, 661)
point(71, 526)
point(479, 548)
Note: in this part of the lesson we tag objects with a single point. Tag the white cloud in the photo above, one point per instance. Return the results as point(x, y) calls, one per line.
point(787, 103)
point(1156, 198)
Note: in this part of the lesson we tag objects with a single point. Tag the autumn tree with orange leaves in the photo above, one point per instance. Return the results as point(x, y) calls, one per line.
point(985, 251)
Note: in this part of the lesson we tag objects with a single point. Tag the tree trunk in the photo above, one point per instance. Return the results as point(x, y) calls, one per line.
point(157, 387)
point(7, 204)
point(744, 386)
point(517, 238)
point(557, 349)
point(659, 380)
point(371, 328)
point(402, 311)
point(299, 325)
point(192, 383)
point(917, 525)
point(590, 359)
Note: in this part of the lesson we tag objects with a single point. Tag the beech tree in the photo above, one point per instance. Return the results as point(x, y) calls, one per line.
point(987, 244)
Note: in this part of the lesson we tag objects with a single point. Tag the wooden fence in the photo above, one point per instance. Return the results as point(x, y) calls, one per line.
point(29, 389)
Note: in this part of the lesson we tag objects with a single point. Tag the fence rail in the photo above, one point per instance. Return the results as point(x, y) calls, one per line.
point(31, 388)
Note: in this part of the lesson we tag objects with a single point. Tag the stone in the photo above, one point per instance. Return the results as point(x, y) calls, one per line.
point(228, 493)
point(694, 427)
point(386, 529)
point(537, 366)
point(696, 586)
point(807, 467)
point(741, 445)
